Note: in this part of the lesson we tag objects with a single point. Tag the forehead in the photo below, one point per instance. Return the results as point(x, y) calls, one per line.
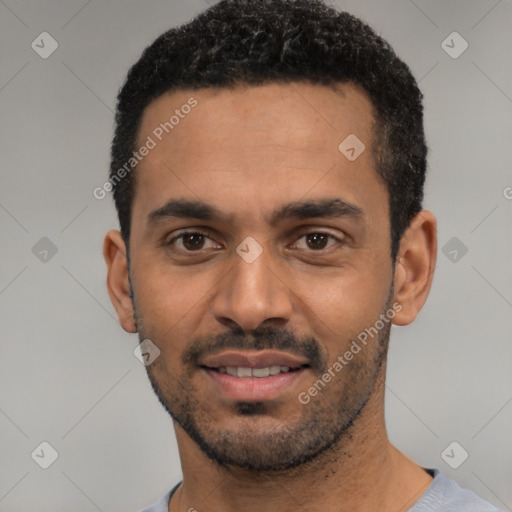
point(256, 144)
point(294, 114)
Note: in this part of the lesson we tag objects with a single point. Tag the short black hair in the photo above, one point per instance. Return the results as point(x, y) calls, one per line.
point(263, 41)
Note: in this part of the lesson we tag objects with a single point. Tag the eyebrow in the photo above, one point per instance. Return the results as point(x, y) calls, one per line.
point(300, 210)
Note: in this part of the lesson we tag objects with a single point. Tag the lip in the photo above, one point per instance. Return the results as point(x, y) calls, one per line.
point(253, 359)
point(253, 389)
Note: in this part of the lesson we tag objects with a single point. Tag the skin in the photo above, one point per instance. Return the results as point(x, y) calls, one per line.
point(247, 151)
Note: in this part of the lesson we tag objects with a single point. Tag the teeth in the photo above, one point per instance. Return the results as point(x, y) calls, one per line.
point(260, 372)
point(243, 372)
point(274, 370)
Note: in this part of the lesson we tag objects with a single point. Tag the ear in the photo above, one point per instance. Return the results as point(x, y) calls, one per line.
point(414, 268)
point(118, 283)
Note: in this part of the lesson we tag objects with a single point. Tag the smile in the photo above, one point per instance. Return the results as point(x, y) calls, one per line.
point(252, 376)
point(247, 373)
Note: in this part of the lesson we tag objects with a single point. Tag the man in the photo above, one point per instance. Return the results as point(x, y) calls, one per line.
point(268, 168)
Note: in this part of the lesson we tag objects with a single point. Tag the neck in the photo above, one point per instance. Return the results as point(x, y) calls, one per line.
point(362, 472)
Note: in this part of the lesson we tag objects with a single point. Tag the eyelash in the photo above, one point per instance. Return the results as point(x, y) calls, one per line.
point(196, 232)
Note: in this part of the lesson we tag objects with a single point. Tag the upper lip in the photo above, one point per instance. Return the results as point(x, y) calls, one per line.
point(254, 359)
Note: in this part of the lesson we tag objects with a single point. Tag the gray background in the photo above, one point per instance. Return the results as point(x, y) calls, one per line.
point(68, 375)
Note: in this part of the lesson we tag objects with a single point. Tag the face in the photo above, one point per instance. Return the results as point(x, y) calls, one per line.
point(259, 253)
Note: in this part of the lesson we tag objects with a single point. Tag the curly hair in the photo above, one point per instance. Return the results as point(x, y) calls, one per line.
point(265, 41)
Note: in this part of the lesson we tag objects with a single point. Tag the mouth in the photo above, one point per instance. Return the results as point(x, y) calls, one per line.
point(243, 372)
point(253, 376)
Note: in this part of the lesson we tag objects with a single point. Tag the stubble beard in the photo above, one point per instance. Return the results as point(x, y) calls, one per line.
point(321, 425)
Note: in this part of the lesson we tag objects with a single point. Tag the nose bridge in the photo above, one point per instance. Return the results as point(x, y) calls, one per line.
point(251, 292)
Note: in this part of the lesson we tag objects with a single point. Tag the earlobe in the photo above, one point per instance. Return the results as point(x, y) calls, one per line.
point(414, 268)
point(118, 283)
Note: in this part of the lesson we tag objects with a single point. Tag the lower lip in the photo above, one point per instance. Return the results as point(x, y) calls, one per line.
point(253, 389)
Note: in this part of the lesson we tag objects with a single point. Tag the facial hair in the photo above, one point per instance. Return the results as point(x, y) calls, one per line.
point(297, 439)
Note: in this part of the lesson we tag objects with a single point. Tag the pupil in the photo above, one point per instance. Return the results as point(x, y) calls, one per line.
point(193, 241)
point(317, 240)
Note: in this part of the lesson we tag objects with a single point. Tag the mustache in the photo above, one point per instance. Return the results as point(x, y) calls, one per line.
point(265, 337)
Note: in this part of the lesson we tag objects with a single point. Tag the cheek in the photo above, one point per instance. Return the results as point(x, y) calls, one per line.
point(169, 299)
point(174, 304)
point(342, 304)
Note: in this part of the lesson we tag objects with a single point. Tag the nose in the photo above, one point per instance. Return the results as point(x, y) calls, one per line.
point(251, 294)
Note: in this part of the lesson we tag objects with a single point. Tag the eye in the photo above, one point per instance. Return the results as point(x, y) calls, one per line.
point(192, 241)
point(316, 241)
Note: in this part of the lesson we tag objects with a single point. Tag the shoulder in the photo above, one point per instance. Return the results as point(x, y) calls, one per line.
point(445, 495)
point(163, 504)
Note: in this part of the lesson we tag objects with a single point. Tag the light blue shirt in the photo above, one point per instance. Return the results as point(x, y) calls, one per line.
point(442, 495)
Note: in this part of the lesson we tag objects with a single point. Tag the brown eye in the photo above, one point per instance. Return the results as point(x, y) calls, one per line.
point(193, 241)
point(316, 241)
